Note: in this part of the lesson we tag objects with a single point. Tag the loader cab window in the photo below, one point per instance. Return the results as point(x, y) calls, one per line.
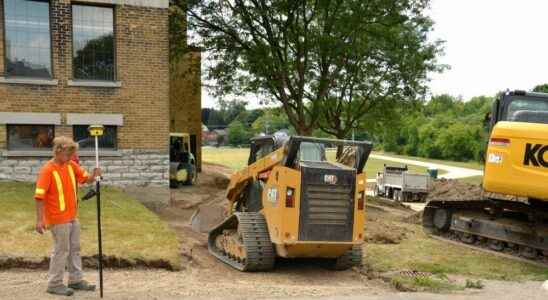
point(260, 149)
point(530, 110)
point(311, 152)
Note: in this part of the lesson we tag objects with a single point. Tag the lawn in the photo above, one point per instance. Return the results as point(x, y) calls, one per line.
point(418, 252)
point(130, 231)
point(236, 158)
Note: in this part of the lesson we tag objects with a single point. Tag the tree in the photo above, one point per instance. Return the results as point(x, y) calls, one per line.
point(177, 29)
point(541, 88)
point(271, 121)
point(334, 60)
point(238, 134)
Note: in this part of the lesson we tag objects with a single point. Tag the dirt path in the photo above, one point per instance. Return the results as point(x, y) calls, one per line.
point(300, 281)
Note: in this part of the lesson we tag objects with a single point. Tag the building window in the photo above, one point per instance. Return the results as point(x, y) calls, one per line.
point(30, 137)
point(93, 42)
point(86, 142)
point(27, 42)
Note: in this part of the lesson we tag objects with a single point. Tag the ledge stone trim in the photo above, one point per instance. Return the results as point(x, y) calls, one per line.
point(145, 3)
point(30, 118)
point(93, 83)
point(29, 81)
point(89, 119)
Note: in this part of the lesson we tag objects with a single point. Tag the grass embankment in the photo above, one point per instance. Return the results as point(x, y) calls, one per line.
point(236, 159)
point(405, 246)
point(130, 231)
point(418, 252)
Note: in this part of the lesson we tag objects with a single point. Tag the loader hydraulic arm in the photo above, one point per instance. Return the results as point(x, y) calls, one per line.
point(240, 179)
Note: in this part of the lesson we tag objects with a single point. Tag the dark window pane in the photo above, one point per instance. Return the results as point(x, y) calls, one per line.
point(27, 38)
point(30, 137)
point(93, 42)
point(87, 142)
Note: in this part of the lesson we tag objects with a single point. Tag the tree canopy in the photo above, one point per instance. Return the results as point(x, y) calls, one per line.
point(328, 63)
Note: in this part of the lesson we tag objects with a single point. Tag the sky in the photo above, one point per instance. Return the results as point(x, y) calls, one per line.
point(490, 45)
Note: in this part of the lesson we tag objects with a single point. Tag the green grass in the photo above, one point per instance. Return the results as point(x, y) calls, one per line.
point(236, 158)
point(418, 252)
point(130, 230)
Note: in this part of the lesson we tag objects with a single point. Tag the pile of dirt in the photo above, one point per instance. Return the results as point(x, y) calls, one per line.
point(379, 231)
point(450, 189)
point(415, 218)
point(383, 225)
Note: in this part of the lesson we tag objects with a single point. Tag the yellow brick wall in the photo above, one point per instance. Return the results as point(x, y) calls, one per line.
point(3, 138)
point(186, 98)
point(142, 62)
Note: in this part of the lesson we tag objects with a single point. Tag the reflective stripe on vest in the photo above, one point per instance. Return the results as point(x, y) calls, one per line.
point(73, 180)
point(59, 185)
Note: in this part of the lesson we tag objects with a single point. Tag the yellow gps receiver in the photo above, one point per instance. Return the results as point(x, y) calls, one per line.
point(96, 130)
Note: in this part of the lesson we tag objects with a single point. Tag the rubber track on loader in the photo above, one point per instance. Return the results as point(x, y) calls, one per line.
point(256, 242)
point(452, 235)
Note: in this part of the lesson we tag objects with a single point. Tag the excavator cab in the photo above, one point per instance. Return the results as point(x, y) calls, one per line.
point(291, 201)
point(517, 146)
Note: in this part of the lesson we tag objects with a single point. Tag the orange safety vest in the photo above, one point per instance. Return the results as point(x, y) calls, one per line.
point(57, 187)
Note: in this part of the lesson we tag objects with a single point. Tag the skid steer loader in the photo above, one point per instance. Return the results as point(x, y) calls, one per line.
point(291, 202)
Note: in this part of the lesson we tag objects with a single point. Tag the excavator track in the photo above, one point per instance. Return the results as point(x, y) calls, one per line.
point(476, 224)
point(243, 242)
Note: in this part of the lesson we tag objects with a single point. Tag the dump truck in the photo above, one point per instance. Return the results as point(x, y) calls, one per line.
point(290, 201)
point(401, 185)
point(511, 215)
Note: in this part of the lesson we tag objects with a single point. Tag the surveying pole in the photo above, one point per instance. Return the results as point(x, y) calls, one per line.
point(97, 131)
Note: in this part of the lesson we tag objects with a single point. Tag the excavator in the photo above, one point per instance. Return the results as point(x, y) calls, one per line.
point(512, 213)
point(291, 202)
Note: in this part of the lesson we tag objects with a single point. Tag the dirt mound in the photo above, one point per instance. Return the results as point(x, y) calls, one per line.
point(378, 231)
point(415, 218)
point(450, 189)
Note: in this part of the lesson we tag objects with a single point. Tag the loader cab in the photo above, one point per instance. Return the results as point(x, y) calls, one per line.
point(263, 145)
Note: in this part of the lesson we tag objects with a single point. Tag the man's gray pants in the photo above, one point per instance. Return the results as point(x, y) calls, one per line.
point(66, 252)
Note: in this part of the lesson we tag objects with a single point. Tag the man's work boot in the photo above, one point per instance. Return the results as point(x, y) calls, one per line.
point(82, 286)
point(60, 290)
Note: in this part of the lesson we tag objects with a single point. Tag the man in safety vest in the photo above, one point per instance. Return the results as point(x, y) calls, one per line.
point(56, 209)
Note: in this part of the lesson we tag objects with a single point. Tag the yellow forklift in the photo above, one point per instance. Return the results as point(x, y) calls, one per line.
point(182, 163)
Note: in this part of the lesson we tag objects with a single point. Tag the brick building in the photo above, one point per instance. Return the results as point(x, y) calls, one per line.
point(68, 64)
point(186, 100)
